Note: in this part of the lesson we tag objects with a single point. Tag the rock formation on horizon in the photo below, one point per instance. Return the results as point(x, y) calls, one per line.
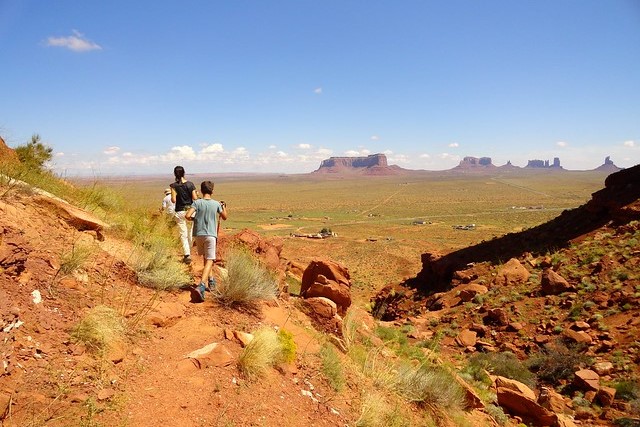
point(470, 162)
point(608, 166)
point(374, 164)
point(544, 164)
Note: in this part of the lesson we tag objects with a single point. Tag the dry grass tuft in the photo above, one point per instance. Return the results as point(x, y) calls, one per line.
point(246, 280)
point(263, 352)
point(101, 327)
point(429, 385)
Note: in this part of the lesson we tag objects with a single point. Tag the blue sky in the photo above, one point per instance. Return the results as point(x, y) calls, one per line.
point(136, 87)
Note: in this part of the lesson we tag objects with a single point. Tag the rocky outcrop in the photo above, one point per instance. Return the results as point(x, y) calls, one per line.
point(329, 279)
point(475, 163)
point(374, 164)
point(608, 166)
point(6, 153)
point(544, 164)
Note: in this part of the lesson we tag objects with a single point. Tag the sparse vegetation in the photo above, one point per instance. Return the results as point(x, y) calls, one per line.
point(99, 329)
point(556, 362)
point(504, 364)
point(429, 385)
point(246, 280)
point(332, 367)
point(263, 352)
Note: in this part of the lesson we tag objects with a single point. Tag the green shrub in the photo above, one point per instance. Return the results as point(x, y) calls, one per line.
point(246, 280)
point(556, 363)
point(332, 367)
point(504, 364)
point(34, 154)
point(497, 414)
point(288, 346)
point(429, 385)
point(627, 390)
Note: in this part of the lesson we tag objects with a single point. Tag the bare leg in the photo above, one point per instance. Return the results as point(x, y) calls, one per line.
point(206, 271)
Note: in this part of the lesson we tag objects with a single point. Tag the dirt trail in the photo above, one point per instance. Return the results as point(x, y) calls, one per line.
point(164, 387)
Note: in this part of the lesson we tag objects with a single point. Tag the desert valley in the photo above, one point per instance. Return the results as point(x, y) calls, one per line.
point(480, 296)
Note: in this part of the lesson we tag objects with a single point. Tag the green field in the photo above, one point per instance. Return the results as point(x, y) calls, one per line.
point(373, 216)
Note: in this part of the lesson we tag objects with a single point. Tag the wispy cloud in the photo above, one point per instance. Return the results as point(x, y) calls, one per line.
point(375, 137)
point(318, 91)
point(561, 144)
point(76, 42)
point(629, 144)
point(425, 156)
point(111, 150)
point(454, 145)
point(304, 146)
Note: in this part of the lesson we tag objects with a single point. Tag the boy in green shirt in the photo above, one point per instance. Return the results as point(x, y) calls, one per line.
point(205, 214)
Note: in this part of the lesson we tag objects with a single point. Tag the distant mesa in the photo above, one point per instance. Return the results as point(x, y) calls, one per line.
point(470, 162)
point(374, 164)
point(608, 166)
point(544, 164)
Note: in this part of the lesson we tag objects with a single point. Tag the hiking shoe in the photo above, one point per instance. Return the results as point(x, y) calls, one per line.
point(187, 259)
point(212, 284)
point(197, 293)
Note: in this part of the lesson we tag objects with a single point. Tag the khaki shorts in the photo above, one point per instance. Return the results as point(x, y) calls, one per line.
point(206, 246)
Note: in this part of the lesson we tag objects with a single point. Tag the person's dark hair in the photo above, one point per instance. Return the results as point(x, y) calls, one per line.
point(178, 172)
point(206, 187)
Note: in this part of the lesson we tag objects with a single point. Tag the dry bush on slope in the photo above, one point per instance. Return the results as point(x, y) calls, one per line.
point(263, 352)
point(246, 280)
point(99, 329)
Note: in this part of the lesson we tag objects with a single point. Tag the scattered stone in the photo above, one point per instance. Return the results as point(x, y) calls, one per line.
point(166, 313)
point(211, 355)
point(541, 339)
point(243, 337)
point(466, 338)
point(586, 379)
point(564, 421)
point(498, 316)
point(106, 394)
point(515, 326)
point(228, 334)
point(470, 291)
point(512, 273)
point(581, 326)
point(321, 307)
point(605, 396)
point(552, 400)
point(520, 405)
point(553, 284)
point(78, 398)
point(603, 368)
point(580, 337)
point(503, 382)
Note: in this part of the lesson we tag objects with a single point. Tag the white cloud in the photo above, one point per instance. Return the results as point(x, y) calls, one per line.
point(425, 156)
point(375, 137)
point(59, 154)
point(127, 154)
point(272, 147)
point(318, 91)
point(629, 144)
point(111, 150)
point(324, 151)
point(304, 146)
point(365, 152)
point(387, 152)
point(282, 154)
point(212, 149)
point(454, 145)
point(561, 144)
point(352, 153)
point(76, 42)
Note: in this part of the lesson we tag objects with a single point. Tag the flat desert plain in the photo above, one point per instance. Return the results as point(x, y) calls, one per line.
point(382, 223)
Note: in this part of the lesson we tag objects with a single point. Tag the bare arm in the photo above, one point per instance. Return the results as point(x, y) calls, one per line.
point(190, 213)
point(173, 195)
point(223, 212)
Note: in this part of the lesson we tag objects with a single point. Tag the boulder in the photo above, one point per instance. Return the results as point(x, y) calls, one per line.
point(466, 338)
point(469, 291)
point(580, 337)
point(503, 382)
point(512, 273)
point(605, 396)
point(244, 338)
point(321, 307)
point(553, 284)
point(328, 279)
point(603, 368)
point(497, 316)
point(564, 421)
point(522, 406)
point(552, 400)
point(74, 216)
point(586, 380)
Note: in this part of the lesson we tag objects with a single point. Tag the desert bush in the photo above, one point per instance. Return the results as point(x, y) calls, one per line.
point(246, 280)
point(99, 328)
point(627, 390)
point(497, 414)
point(350, 324)
point(429, 385)
point(75, 257)
point(263, 352)
point(332, 367)
point(377, 412)
point(504, 364)
point(556, 363)
point(34, 154)
point(288, 346)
